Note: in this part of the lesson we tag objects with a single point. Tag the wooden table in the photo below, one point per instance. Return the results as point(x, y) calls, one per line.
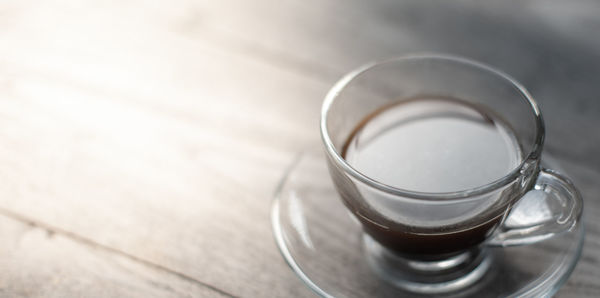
point(142, 141)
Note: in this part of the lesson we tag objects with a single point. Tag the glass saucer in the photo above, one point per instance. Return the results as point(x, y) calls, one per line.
point(323, 244)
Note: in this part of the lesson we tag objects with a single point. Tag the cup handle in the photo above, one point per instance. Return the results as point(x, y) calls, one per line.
point(553, 206)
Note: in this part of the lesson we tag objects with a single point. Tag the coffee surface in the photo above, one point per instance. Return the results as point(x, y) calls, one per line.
point(433, 145)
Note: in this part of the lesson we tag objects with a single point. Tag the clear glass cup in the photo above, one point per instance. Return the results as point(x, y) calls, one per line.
point(433, 263)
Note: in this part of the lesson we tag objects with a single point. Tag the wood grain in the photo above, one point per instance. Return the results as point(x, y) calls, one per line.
point(160, 130)
point(39, 262)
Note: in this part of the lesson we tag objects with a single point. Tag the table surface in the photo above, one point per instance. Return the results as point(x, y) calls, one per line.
point(142, 142)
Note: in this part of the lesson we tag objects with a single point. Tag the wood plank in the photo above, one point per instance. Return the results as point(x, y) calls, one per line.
point(37, 262)
point(186, 184)
point(535, 39)
point(141, 185)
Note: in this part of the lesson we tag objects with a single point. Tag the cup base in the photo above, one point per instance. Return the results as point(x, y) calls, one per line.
point(426, 277)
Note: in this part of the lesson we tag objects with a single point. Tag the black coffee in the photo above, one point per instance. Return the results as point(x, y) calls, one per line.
point(430, 144)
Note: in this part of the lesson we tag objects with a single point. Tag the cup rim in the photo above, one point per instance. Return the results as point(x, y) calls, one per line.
point(460, 195)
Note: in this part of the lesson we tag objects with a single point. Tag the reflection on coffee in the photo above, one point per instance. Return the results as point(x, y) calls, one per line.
point(430, 144)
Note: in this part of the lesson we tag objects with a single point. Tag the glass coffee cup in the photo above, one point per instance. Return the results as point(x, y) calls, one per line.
point(431, 153)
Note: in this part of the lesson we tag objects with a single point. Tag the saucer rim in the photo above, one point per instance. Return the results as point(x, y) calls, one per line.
point(278, 233)
point(546, 287)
